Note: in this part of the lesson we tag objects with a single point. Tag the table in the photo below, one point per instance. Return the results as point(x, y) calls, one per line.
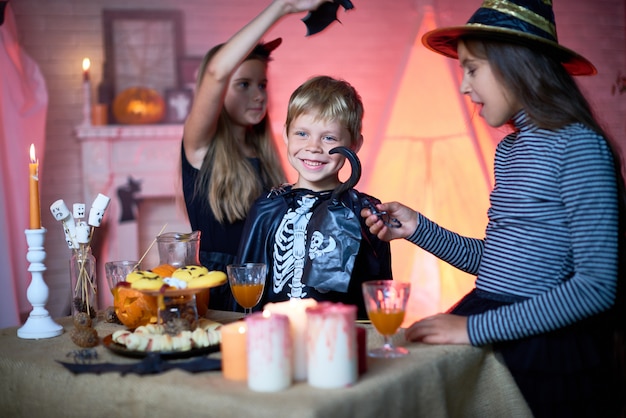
point(433, 381)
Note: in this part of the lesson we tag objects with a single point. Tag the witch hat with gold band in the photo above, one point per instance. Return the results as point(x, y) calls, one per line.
point(525, 22)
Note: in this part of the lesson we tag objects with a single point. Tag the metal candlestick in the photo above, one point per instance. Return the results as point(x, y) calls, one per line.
point(39, 323)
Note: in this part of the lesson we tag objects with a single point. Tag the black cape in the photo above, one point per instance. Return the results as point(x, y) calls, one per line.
point(336, 254)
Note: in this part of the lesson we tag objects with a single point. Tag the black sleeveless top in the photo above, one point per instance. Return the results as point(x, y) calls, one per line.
point(218, 241)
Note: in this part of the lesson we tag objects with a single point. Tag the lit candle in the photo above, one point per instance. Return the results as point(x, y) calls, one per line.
point(269, 352)
point(331, 345)
point(86, 65)
point(33, 187)
point(295, 309)
point(86, 93)
point(234, 353)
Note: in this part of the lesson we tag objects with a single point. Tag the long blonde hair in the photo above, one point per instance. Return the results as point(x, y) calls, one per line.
point(227, 178)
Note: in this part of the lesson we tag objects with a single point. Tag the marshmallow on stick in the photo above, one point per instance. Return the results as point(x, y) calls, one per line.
point(79, 210)
point(60, 212)
point(98, 207)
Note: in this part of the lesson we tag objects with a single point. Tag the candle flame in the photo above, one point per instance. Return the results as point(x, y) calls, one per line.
point(33, 159)
point(242, 330)
point(86, 64)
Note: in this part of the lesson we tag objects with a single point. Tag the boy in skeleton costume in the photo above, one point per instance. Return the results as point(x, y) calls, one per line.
point(310, 233)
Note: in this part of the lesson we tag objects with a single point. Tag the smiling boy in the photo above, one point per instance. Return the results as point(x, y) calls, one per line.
point(310, 235)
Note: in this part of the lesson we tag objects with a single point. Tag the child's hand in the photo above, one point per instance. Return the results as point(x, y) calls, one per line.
point(295, 6)
point(439, 329)
point(402, 221)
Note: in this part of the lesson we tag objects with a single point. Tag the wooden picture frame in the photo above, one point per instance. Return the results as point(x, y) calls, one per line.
point(177, 105)
point(142, 48)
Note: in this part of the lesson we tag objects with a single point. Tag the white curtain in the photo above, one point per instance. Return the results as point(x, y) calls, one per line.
point(23, 107)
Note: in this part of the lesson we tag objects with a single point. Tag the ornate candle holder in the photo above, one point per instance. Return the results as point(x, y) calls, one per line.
point(39, 323)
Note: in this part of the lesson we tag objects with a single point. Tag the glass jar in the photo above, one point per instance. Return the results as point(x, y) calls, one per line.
point(84, 287)
point(179, 249)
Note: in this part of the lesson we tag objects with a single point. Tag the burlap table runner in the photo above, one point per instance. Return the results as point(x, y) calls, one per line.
point(433, 381)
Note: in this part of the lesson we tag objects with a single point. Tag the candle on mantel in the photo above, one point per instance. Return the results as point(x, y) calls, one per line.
point(86, 93)
point(234, 351)
point(86, 65)
point(33, 187)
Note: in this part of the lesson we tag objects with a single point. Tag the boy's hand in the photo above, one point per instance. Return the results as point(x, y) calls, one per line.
point(406, 217)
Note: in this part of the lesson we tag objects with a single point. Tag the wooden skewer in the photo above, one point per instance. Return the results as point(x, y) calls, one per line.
point(150, 247)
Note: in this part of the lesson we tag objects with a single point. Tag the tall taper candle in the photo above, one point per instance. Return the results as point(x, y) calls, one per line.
point(86, 93)
point(33, 187)
point(86, 65)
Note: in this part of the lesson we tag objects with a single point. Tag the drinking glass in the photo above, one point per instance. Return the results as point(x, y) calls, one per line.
point(247, 282)
point(116, 271)
point(385, 301)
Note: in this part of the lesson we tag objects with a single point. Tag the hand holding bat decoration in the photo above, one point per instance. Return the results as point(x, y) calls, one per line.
point(319, 19)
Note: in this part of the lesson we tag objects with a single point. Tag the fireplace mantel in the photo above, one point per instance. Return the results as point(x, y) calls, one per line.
point(129, 164)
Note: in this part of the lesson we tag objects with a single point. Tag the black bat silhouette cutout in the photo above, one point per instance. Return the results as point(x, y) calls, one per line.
point(319, 19)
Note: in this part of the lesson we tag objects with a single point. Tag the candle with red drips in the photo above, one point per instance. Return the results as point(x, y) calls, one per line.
point(269, 352)
point(332, 345)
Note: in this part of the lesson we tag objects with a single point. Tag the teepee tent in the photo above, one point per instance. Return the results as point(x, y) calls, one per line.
point(435, 155)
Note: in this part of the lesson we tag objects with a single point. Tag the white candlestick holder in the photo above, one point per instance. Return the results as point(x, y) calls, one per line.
point(39, 323)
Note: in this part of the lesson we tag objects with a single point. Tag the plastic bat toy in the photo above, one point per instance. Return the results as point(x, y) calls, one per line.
point(319, 19)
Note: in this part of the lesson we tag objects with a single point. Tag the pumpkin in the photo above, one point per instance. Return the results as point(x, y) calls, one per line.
point(138, 105)
point(134, 308)
point(164, 270)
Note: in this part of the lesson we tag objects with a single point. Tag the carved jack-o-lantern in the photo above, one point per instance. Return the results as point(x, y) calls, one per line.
point(134, 308)
point(138, 105)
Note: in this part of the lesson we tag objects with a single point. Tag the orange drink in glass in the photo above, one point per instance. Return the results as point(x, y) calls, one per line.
point(247, 282)
point(385, 301)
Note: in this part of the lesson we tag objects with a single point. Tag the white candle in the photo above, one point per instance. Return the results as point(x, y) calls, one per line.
point(269, 352)
point(295, 309)
point(331, 345)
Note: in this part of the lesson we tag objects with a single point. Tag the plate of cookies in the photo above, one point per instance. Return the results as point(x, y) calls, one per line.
point(180, 281)
point(167, 342)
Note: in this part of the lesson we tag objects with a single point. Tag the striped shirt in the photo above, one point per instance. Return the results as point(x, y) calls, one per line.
point(552, 233)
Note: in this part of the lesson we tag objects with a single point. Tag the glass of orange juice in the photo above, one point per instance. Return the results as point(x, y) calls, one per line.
point(247, 282)
point(385, 301)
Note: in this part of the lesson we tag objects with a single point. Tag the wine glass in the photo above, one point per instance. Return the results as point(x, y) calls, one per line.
point(247, 282)
point(385, 301)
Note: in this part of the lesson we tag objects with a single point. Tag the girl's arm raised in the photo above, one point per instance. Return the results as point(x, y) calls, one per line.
point(202, 121)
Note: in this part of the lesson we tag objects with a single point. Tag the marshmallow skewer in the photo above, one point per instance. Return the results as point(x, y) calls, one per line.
point(60, 212)
point(78, 233)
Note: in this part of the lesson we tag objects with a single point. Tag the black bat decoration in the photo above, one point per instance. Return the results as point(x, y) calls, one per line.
point(319, 19)
point(152, 364)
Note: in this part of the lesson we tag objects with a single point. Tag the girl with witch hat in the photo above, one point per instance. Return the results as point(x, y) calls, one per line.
point(550, 269)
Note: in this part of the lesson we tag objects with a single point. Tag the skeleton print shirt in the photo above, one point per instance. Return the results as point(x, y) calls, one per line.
point(314, 246)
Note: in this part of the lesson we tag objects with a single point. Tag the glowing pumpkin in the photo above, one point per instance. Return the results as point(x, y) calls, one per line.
point(134, 308)
point(138, 105)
